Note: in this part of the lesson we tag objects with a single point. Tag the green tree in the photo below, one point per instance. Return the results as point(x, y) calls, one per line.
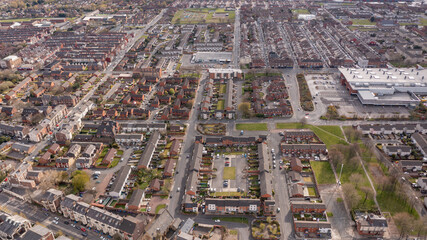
point(244, 108)
point(79, 181)
point(172, 91)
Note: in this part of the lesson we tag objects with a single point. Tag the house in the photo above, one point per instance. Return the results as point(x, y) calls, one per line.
point(154, 185)
point(9, 111)
point(145, 160)
point(297, 191)
point(371, 225)
point(401, 150)
point(67, 205)
point(298, 135)
point(129, 139)
point(174, 149)
point(23, 148)
point(89, 152)
point(420, 142)
point(38, 232)
point(108, 158)
point(303, 149)
point(50, 199)
point(64, 162)
point(422, 182)
point(411, 165)
point(295, 176)
point(74, 151)
point(84, 163)
point(54, 148)
point(307, 207)
point(13, 226)
point(45, 158)
point(169, 167)
point(103, 220)
point(135, 201)
point(119, 183)
point(230, 206)
point(296, 165)
point(313, 229)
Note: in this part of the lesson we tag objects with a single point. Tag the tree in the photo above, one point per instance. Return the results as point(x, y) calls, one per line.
point(303, 121)
point(79, 180)
point(50, 179)
point(404, 221)
point(172, 91)
point(336, 156)
point(356, 178)
point(372, 19)
point(351, 196)
point(367, 191)
point(244, 108)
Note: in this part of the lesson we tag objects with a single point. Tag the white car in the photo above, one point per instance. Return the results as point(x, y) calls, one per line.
point(217, 220)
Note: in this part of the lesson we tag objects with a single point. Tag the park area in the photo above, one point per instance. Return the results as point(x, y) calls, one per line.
point(203, 15)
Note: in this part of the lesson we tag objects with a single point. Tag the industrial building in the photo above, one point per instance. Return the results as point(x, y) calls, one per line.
point(385, 86)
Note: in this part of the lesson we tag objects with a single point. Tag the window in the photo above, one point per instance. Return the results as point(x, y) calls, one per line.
point(211, 207)
point(252, 207)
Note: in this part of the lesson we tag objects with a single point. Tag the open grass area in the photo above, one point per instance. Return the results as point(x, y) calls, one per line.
point(391, 202)
point(300, 11)
point(226, 194)
point(290, 126)
point(203, 15)
point(336, 130)
point(362, 22)
point(21, 19)
point(222, 88)
point(311, 191)
point(323, 172)
point(220, 105)
point(229, 173)
point(252, 126)
point(232, 219)
point(114, 163)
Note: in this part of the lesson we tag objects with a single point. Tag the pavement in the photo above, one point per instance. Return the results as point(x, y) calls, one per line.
point(36, 214)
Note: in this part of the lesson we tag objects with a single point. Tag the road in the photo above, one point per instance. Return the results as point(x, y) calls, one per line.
point(36, 214)
point(181, 178)
point(236, 47)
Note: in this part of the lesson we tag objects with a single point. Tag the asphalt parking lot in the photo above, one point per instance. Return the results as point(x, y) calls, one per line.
point(236, 161)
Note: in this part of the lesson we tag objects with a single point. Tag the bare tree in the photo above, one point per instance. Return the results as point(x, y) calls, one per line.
point(351, 196)
point(368, 193)
point(356, 178)
point(404, 221)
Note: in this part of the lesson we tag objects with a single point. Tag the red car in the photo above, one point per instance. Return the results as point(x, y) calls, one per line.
point(83, 229)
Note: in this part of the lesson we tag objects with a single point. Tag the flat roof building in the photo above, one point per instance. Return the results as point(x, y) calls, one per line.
point(385, 86)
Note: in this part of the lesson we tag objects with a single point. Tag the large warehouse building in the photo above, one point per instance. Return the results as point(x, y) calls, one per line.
point(385, 86)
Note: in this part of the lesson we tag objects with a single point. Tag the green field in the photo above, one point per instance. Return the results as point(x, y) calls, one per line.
point(233, 219)
point(202, 15)
point(222, 88)
point(311, 191)
point(330, 135)
point(252, 126)
point(227, 194)
point(220, 105)
point(323, 172)
point(229, 173)
point(300, 11)
point(362, 22)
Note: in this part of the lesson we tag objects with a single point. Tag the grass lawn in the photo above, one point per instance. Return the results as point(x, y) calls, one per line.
point(423, 21)
point(202, 15)
point(220, 105)
point(362, 22)
point(323, 172)
point(229, 173)
point(290, 126)
point(160, 207)
point(300, 11)
point(252, 126)
point(119, 152)
point(114, 163)
point(336, 130)
point(233, 219)
point(222, 88)
point(311, 191)
point(227, 194)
